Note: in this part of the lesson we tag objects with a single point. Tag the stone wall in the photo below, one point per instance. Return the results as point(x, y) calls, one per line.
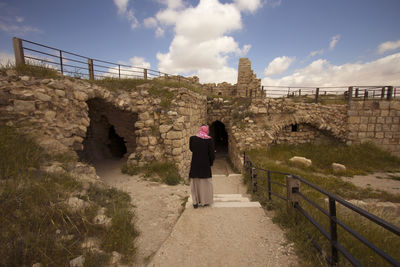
point(301, 134)
point(59, 113)
point(377, 122)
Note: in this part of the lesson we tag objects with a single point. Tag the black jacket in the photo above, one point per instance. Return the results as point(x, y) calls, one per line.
point(202, 157)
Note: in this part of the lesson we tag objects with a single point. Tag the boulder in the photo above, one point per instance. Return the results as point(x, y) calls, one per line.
point(301, 160)
point(337, 167)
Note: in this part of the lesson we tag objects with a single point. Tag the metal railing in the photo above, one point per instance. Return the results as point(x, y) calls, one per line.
point(293, 198)
point(78, 66)
point(317, 94)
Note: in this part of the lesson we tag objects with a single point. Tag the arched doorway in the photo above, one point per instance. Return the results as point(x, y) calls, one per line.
point(220, 136)
point(110, 134)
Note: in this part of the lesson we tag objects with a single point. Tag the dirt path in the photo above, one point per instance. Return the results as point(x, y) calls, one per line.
point(380, 181)
point(157, 206)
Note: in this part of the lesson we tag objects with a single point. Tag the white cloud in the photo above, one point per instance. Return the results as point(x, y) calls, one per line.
point(127, 13)
point(6, 58)
point(316, 52)
point(278, 65)
point(248, 5)
point(139, 62)
point(384, 71)
point(335, 39)
point(202, 44)
point(388, 46)
point(150, 22)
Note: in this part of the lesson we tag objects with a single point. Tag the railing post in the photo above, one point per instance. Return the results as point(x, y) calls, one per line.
point(333, 230)
point(61, 63)
point(389, 93)
point(145, 74)
point(316, 95)
point(269, 185)
point(356, 93)
point(292, 187)
point(383, 93)
point(254, 179)
point(18, 51)
point(91, 69)
point(350, 94)
point(119, 71)
point(365, 94)
point(299, 92)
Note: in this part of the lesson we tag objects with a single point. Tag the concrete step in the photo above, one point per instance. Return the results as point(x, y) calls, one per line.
point(229, 201)
point(236, 205)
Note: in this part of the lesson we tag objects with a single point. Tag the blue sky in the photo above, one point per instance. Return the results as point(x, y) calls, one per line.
point(289, 42)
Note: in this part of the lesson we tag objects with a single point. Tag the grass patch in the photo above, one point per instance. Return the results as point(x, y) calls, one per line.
point(36, 224)
point(300, 231)
point(33, 70)
point(160, 171)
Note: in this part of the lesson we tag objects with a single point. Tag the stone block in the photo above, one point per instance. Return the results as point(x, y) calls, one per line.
point(174, 135)
point(364, 120)
point(164, 128)
point(380, 120)
point(379, 135)
point(371, 127)
point(24, 106)
point(176, 151)
point(149, 123)
point(301, 160)
point(389, 120)
point(144, 116)
point(177, 143)
point(363, 127)
point(152, 140)
point(337, 167)
point(143, 141)
point(353, 120)
point(43, 97)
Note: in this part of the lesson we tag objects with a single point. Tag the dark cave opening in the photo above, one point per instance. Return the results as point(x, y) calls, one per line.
point(220, 137)
point(111, 133)
point(116, 143)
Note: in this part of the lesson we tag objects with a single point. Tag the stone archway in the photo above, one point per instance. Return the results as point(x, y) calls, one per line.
point(111, 133)
point(220, 136)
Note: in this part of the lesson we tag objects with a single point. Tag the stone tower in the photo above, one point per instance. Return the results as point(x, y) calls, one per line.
point(247, 84)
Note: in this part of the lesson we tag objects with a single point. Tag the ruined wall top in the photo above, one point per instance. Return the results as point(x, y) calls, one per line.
point(247, 79)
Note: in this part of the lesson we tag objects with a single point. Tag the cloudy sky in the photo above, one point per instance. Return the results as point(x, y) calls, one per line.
point(289, 42)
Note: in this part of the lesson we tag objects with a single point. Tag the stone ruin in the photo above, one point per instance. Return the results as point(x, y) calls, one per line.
point(74, 115)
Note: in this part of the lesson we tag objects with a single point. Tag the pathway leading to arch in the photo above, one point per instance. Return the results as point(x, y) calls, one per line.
point(232, 232)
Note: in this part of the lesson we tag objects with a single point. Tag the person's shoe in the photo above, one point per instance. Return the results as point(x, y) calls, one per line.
point(195, 206)
point(206, 205)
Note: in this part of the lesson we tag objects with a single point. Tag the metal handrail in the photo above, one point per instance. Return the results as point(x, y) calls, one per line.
point(92, 64)
point(331, 214)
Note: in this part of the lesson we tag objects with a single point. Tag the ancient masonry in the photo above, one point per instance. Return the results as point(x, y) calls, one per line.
point(74, 115)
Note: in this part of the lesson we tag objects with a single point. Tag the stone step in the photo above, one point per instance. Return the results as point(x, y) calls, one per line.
point(229, 201)
point(236, 205)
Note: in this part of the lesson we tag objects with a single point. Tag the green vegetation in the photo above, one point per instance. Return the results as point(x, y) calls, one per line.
point(34, 70)
point(38, 226)
point(298, 229)
point(160, 171)
point(358, 159)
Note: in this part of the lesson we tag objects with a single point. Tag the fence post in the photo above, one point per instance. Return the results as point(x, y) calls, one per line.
point(254, 179)
point(269, 185)
point(119, 71)
point(333, 230)
point(356, 93)
point(365, 94)
point(91, 69)
point(389, 92)
point(18, 51)
point(292, 187)
point(316, 95)
point(145, 74)
point(383, 93)
point(350, 94)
